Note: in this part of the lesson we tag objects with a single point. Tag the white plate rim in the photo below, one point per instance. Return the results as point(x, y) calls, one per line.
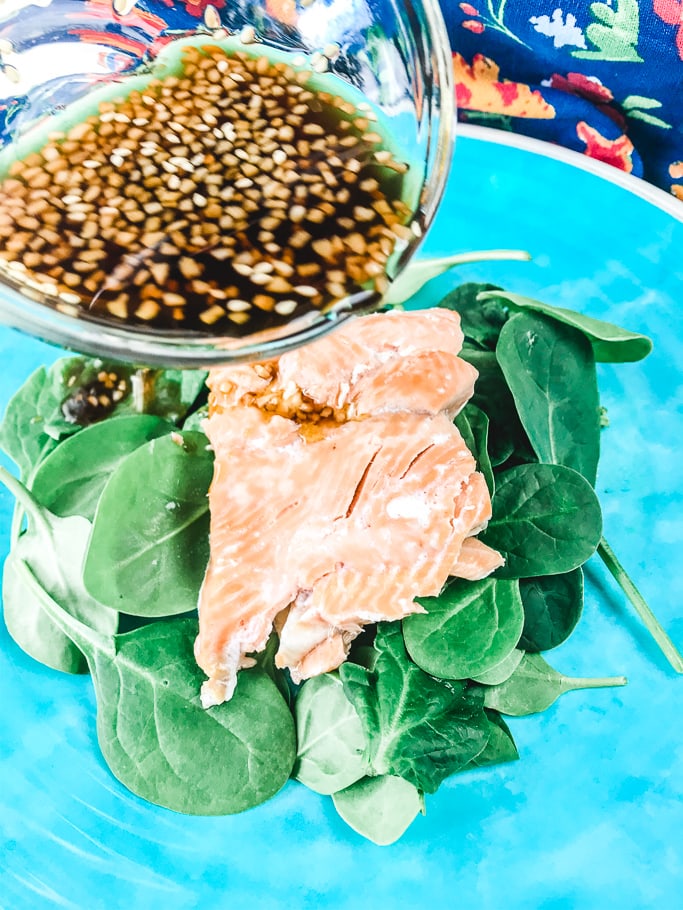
point(635, 185)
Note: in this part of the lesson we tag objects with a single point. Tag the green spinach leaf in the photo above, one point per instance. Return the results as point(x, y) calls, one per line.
point(418, 728)
point(552, 608)
point(150, 546)
point(546, 520)
point(481, 320)
point(196, 420)
point(265, 660)
point(501, 671)
point(379, 808)
point(167, 393)
point(468, 629)
point(610, 343)
point(71, 479)
point(501, 746)
point(331, 750)
point(493, 397)
point(54, 549)
point(418, 272)
point(550, 370)
point(23, 432)
point(534, 686)
point(473, 425)
point(153, 732)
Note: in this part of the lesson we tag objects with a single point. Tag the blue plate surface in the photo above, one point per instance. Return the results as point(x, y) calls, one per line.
point(591, 817)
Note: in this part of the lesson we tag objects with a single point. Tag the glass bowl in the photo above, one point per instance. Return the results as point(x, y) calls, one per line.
point(190, 183)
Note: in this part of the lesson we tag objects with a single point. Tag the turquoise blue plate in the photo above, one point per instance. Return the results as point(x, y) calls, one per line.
point(591, 817)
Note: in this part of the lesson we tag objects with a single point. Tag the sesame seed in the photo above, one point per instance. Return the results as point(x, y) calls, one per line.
point(238, 306)
point(70, 298)
point(263, 302)
point(147, 310)
point(285, 307)
point(306, 290)
point(171, 299)
point(212, 17)
point(212, 315)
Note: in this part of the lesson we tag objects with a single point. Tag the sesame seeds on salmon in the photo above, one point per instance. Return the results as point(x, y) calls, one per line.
point(342, 492)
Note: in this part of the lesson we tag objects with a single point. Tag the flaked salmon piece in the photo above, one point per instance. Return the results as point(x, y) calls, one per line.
point(389, 361)
point(476, 560)
point(342, 491)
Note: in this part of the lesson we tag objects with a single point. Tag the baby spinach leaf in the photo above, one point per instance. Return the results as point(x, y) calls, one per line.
point(379, 808)
point(481, 320)
point(167, 393)
point(203, 762)
point(32, 629)
point(546, 520)
point(552, 608)
point(468, 629)
point(534, 686)
point(150, 546)
point(54, 549)
point(501, 746)
point(418, 728)
point(473, 425)
point(154, 734)
point(23, 433)
point(418, 272)
point(501, 671)
point(265, 660)
point(332, 745)
point(493, 397)
point(550, 370)
point(71, 479)
point(611, 344)
point(196, 420)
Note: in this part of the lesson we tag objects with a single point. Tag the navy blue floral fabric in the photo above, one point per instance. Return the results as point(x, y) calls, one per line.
point(604, 79)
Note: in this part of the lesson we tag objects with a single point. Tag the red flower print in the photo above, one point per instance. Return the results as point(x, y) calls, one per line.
point(583, 86)
point(616, 152)
point(473, 25)
point(469, 10)
point(671, 12)
point(198, 7)
point(592, 90)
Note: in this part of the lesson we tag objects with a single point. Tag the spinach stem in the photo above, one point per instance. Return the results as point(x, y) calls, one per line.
point(419, 272)
point(24, 499)
point(652, 624)
point(81, 635)
point(598, 682)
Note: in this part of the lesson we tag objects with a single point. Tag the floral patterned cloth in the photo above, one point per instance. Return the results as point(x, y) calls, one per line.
point(605, 79)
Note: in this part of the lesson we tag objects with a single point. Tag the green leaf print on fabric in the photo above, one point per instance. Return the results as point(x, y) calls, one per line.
point(635, 106)
point(614, 33)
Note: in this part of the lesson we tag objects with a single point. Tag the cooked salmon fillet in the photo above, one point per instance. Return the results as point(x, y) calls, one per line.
point(342, 491)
